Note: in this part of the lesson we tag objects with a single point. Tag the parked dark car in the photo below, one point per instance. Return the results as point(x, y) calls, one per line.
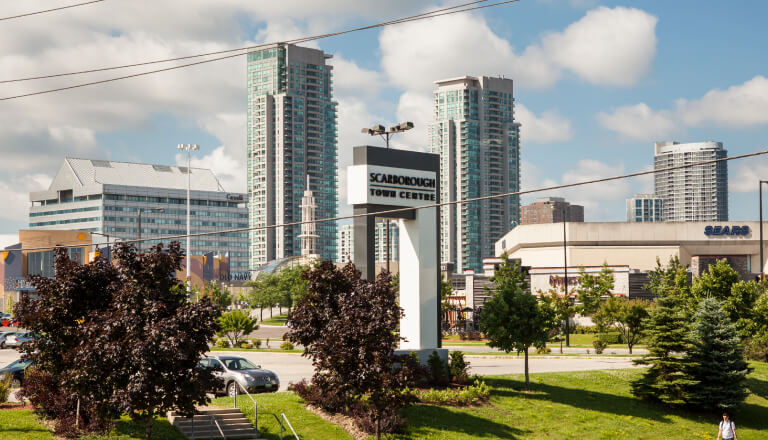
point(3, 336)
point(15, 340)
point(16, 370)
point(231, 369)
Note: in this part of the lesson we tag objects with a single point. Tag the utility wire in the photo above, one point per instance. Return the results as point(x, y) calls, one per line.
point(239, 49)
point(50, 10)
point(300, 40)
point(400, 210)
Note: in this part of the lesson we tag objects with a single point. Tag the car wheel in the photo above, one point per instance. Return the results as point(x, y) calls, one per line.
point(231, 389)
point(15, 383)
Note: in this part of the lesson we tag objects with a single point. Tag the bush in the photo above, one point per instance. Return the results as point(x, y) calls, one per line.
point(331, 400)
point(438, 370)
point(256, 343)
point(245, 344)
point(391, 421)
point(612, 338)
point(543, 350)
point(459, 367)
point(222, 343)
point(599, 345)
point(5, 388)
point(756, 349)
point(286, 346)
point(583, 329)
point(473, 394)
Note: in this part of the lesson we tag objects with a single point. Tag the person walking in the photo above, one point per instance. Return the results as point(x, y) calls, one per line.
point(727, 429)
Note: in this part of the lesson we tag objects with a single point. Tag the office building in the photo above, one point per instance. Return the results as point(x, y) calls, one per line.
point(291, 135)
point(346, 242)
point(699, 193)
point(645, 208)
point(474, 132)
point(550, 210)
point(105, 197)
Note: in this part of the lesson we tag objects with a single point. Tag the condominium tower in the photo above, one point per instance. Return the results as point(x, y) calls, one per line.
point(291, 135)
point(346, 242)
point(698, 193)
point(645, 208)
point(550, 210)
point(474, 132)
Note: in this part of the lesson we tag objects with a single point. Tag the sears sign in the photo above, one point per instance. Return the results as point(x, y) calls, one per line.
point(726, 230)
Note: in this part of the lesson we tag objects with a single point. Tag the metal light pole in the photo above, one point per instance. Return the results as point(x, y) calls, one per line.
point(762, 271)
point(189, 148)
point(565, 284)
point(140, 211)
point(379, 130)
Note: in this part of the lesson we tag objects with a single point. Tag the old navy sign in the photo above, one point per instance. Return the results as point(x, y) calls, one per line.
point(380, 185)
point(726, 230)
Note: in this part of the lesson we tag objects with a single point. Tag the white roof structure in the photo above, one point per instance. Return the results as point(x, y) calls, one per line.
point(105, 172)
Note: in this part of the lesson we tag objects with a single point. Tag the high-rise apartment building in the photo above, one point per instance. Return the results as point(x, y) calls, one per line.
point(698, 193)
point(346, 242)
point(645, 208)
point(550, 210)
point(291, 135)
point(105, 197)
point(474, 131)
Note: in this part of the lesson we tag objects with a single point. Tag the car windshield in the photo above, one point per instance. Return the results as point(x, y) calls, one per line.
point(238, 364)
point(20, 363)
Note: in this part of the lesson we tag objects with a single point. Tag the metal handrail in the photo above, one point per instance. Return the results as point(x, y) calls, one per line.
point(255, 406)
point(217, 426)
point(282, 416)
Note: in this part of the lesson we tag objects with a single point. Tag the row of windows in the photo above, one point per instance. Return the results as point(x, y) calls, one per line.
point(167, 221)
point(76, 199)
point(65, 222)
point(64, 211)
point(170, 200)
point(182, 212)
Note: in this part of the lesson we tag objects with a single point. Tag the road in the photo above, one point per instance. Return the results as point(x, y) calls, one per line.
point(292, 367)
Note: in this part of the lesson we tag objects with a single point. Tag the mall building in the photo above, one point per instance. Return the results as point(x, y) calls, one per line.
point(630, 250)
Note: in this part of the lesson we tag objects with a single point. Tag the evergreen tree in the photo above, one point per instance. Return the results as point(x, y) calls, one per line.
point(667, 377)
point(716, 360)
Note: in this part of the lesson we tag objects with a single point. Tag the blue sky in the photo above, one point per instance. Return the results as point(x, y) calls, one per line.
point(596, 83)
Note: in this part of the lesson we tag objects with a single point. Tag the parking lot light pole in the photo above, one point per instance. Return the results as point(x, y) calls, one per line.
point(762, 261)
point(379, 130)
point(189, 149)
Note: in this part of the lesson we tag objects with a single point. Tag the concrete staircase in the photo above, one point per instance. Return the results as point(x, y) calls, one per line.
point(232, 422)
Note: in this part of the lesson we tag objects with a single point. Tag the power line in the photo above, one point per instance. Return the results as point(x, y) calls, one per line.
point(239, 49)
point(50, 10)
point(446, 11)
point(434, 205)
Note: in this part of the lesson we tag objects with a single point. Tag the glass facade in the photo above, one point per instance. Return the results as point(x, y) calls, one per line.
point(291, 133)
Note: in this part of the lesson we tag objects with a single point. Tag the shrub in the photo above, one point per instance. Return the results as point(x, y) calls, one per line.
point(756, 349)
point(459, 367)
point(5, 388)
point(438, 369)
point(245, 344)
point(222, 343)
point(256, 343)
point(543, 350)
point(470, 395)
point(390, 420)
point(599, 345)
point(331, 399)
point(286, 346)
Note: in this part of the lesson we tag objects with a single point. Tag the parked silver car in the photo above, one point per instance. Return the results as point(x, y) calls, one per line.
point(4, 336)
point(15, 340)
point(231, 369)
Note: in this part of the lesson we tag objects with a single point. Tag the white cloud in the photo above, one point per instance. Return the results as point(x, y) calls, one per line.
point(8, 240)
point(744, 175)
point(229, 170)
point(742, 105)
point(607, 46)
point(549, 127)
point(638, 122)
point(15, 193)
point(739, 106)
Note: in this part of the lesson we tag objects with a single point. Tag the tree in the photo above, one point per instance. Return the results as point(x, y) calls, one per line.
point(666, 379)
point(671, 279)
point(236, 325)
point(716, 360)
point(629, 317)
point(151, 338)
point(716, 282)
point(348, 327)
point(592, 288)
point(562, 307)
point(291, 285)
point(217, 295)
point(513, 319)
point(740, 305)
point(263, 294)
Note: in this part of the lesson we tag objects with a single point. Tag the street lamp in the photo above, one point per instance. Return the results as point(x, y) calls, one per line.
point(762, 270)
point(565, 281)
point(379, 130)
point(140, 211)
point(189, 148)
point(109, 249)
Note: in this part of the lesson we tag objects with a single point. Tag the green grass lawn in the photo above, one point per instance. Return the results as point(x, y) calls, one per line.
point(306, 424)
point(24, 425)
point(276, 320)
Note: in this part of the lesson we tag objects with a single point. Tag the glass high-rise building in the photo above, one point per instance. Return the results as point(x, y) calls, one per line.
point(645, 208)
point(291, 135)
point(698, 193)
point(474, 131)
